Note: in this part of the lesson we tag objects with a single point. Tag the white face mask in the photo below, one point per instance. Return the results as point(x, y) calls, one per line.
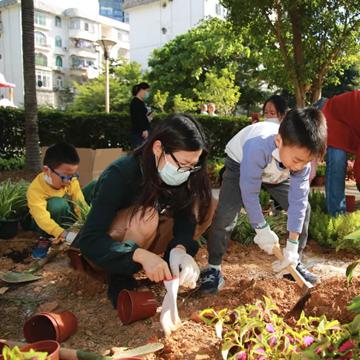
point(48, 179)
point(274, 120)
point(170, 176)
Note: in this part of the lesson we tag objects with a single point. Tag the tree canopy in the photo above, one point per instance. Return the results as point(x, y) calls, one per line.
point(300, 41)
point(90, 95)
point(200, 64)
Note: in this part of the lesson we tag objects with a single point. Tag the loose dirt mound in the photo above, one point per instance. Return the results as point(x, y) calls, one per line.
point(248, 277)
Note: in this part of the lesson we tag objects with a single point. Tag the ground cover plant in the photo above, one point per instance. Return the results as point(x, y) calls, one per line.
point(257, 332)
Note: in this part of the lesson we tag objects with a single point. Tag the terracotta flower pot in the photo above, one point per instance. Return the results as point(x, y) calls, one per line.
point(350, 203)
point(318, 181)
point(50, 326)
point(135, 305)
point(50, 346)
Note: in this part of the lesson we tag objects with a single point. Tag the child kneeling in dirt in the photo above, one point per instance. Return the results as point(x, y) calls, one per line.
point(278, 158)
point(153, 201)
point(51, 197)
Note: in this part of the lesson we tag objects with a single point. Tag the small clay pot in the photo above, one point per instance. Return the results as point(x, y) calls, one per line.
point(318, 181)
point(135, 305)
point(50, 346)
point(50, 326)
point(350, 203)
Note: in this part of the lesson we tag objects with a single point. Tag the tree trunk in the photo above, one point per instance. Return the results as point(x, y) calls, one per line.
point(32, 149)
point(300, 96)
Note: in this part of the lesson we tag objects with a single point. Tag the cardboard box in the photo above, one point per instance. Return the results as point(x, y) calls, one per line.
point(93, 162)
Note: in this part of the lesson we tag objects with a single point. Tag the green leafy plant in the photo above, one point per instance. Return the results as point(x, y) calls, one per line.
point(332, 231)
point(12, 164)
point(16, 354)
point(257, 332)
point(214, 167)
point(81, 211)
point(244, 232)
point(317, 201)
point(321, 169)
point(12, 199)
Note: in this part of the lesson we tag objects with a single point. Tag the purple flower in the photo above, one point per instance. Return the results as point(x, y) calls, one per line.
point(241, 356)
point(308, 340)
point(270, 328)
point(272, 341)
point(347, 345)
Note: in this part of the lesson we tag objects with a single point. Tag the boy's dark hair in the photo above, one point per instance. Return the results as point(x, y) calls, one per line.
point(305, 128)
point(279, 102)
point(136, 88)
point(61, 153)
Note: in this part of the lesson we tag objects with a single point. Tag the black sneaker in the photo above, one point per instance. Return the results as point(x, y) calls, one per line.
point(116, 283)
point(305, 273)
point(211, 281)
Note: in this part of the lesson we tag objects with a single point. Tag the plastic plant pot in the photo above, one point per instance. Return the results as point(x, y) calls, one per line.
point(50, 346)
point(8, 228)
point(135, 305)
point(50, 326)
point(350, 203)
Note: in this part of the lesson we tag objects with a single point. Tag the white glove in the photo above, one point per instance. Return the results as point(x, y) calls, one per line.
point(291, 257)
point(70, 237)
point(266, 239)
point(169, 317)
point(184, 267)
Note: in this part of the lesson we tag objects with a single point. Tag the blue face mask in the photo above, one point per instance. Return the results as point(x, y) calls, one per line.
point(170, 176)
point(146, 95)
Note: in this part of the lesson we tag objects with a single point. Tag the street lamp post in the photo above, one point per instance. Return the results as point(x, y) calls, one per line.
point(106, 45)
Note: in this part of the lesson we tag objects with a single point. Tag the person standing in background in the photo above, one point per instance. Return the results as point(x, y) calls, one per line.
point(342, 113)
point(140, 117)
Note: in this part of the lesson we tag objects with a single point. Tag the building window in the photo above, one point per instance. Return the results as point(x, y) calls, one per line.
point(40, 39)
point(89, 27)
point(75, 24)
point(43, 79)
point(219, 10)
point(41, 59)
point(57, 21)
point(59, 61)
point(59, 83)
point(39, 18)
point(79, 63)
point(82, 44)
point(58, 41)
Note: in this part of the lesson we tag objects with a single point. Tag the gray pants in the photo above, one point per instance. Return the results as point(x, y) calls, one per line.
point(230, 204)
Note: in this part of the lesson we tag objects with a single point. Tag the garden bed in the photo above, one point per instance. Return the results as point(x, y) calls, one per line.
point(248, 278)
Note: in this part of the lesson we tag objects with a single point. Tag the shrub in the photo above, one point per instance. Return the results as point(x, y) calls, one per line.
point(12, 164)
point(99, 130)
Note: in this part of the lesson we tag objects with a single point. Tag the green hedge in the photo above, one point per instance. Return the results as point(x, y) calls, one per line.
point(99, 130)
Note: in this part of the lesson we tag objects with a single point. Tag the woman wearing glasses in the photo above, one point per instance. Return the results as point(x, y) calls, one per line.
point(148, 208)
point(51, 196)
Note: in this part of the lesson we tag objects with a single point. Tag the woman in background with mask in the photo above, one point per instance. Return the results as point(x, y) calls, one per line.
point(275, 108)
point(152, 202)
point(140, 119)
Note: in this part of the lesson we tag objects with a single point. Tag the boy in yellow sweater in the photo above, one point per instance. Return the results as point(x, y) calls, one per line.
point(51, 195)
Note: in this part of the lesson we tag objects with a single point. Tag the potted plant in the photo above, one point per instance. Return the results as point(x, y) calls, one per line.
point(319, 179)
point(17, 354)
point(12, 203)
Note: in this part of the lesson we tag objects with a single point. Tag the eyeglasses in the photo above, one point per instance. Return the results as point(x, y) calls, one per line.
point(191, 169)
point(65, 177)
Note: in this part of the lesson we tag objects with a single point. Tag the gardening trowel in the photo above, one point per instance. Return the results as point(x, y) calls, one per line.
point(17, 277)
point(300, 281)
